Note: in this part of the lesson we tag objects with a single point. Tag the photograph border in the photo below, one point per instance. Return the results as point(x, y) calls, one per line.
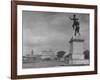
point(14, 38)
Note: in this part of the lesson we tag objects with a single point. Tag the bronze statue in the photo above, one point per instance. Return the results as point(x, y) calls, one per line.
point(75, 24)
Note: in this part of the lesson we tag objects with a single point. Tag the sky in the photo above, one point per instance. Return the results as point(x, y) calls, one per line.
point(51, 31)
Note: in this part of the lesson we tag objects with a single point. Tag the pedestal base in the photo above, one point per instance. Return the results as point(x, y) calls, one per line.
point(76, 51)
point(80, 62)
point(78, 56)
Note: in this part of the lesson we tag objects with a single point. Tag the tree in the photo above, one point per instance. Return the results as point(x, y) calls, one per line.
point(60, 54)
point(86, 53)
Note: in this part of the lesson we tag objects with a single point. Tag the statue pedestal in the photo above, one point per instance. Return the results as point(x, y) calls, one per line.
point(76, 50)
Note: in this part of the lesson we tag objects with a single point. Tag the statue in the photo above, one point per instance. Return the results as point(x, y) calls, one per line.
point(75, 24)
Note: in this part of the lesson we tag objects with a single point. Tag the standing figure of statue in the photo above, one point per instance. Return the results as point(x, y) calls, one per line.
point(75, 25)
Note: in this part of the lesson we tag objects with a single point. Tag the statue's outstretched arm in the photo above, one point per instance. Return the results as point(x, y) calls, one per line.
point(77, 18)
point(70, 18)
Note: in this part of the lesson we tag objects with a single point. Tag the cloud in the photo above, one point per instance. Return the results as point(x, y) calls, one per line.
point(44, 30)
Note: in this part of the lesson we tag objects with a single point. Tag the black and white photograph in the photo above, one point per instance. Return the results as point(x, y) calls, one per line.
point(55, 39)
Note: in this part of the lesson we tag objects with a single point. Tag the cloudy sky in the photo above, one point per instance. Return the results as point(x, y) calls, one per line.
point(51, 30)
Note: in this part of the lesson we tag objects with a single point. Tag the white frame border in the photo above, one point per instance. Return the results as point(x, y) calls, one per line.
point(21, 71)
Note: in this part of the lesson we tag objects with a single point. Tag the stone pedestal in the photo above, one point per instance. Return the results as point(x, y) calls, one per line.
point(76, 50)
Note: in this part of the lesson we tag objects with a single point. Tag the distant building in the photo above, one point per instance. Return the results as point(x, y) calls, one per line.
point(48, 54)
